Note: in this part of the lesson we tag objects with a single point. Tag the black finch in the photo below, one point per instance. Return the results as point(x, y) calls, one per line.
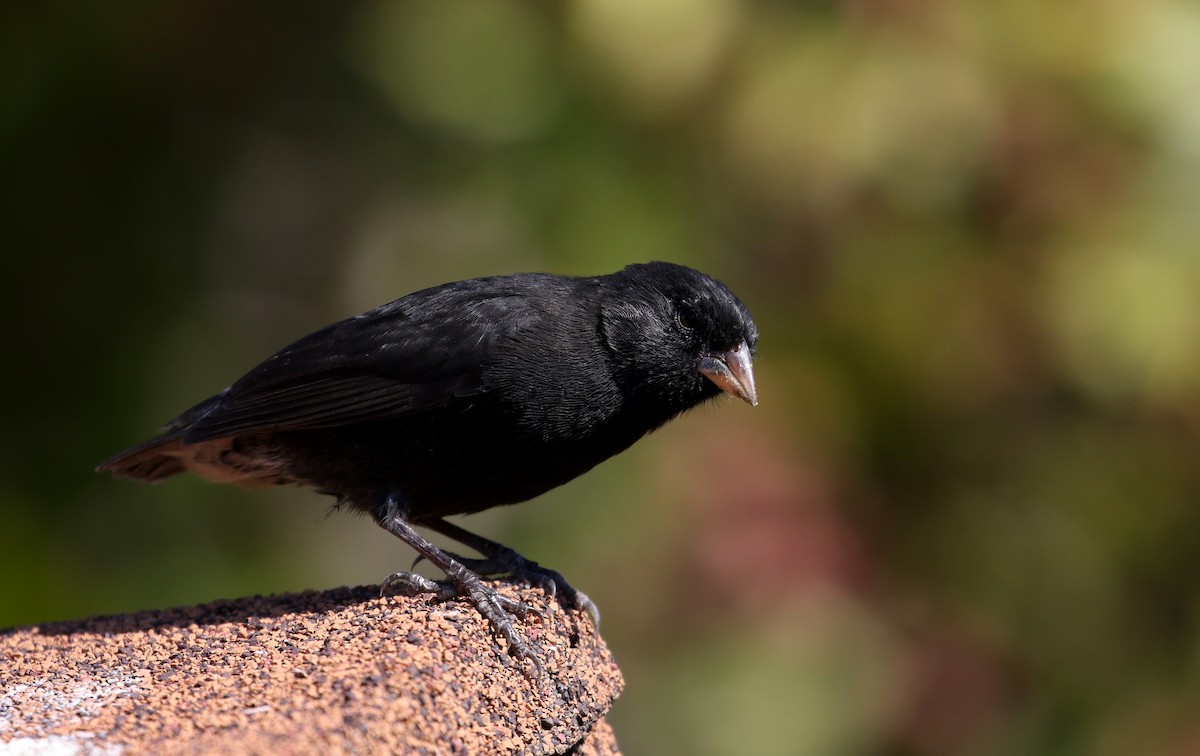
point(466, 396)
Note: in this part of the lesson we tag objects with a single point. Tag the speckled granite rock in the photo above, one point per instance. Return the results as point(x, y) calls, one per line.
point(342, 671)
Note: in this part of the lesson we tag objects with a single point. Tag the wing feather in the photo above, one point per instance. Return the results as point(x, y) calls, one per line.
point(409, 356)
point(324, 401)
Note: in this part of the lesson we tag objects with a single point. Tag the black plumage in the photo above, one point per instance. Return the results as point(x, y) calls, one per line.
point(467, 396)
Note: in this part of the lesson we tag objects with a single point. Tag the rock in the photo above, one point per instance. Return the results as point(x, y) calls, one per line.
point(340, 671)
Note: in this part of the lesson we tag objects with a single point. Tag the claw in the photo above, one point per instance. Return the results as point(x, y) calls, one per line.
point(412, 584)
point(519, 609)
point(583, 602)
point(524, 652)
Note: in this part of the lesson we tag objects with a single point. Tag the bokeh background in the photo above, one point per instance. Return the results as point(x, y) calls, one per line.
point(964, 519)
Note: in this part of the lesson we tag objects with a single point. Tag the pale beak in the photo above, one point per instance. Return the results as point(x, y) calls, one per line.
point(731, 372)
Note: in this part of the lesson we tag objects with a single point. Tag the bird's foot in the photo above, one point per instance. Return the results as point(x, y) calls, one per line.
point(413, 584)
point(493, 605)
point(508, 563)
point(497, 609)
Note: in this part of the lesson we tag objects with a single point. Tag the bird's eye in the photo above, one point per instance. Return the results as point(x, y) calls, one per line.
point(687, 317)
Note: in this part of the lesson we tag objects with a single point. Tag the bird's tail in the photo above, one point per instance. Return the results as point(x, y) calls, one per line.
point(150, 462)
point(161, 457)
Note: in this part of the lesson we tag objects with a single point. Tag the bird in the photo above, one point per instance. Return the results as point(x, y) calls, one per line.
point(466, 396)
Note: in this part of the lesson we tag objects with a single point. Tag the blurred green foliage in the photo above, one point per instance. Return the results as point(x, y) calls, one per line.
point(965, 517)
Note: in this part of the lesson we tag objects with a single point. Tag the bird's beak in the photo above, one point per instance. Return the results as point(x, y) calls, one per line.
point(731, 372)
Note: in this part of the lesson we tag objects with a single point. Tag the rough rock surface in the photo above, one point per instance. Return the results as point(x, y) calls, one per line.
point(340, 671)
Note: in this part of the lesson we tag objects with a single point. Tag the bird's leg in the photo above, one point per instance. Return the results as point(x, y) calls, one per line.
point(493, 606)
point(501, 560)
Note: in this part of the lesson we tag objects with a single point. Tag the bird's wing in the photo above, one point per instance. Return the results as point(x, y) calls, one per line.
point(323, 399)
point(409, 356)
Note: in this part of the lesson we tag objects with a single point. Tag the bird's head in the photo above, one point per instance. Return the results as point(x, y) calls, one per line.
point(677, 336)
